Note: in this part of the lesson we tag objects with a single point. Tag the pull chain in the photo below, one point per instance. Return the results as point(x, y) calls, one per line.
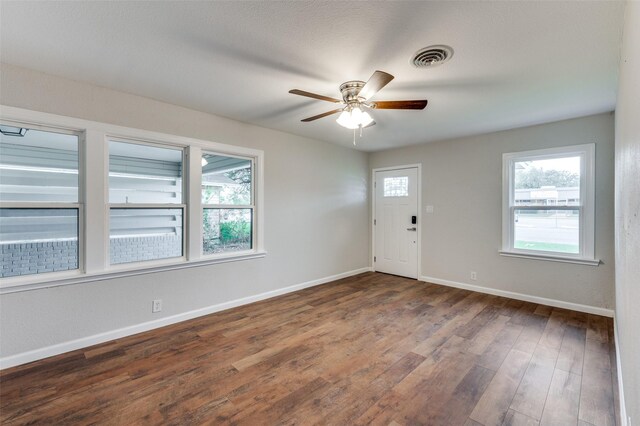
point(354, 134)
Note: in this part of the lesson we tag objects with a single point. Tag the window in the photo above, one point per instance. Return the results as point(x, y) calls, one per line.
point(548, 203)
point(40, 214)
point(148, 201)
point(227, 202)
point(396, 186)
point(146, 207)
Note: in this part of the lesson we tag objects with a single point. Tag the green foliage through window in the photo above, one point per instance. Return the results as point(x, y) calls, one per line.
point(536, 177)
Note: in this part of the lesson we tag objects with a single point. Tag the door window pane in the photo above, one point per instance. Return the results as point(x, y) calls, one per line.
point(144, 234)
point(226, 180)
point(34, 241)
point(396, 186)
point(144, 174)
point(547, 230)
point(227, 230)
point(38, 167)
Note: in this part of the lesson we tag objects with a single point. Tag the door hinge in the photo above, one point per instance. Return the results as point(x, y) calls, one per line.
point(374, 221)
point(375, 184)
point(374, 258)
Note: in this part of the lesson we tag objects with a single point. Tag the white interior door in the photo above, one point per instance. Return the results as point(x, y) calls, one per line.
point(396, 237)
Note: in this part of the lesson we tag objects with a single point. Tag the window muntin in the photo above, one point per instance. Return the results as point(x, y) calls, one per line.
point(396, 186)
point(40, 214)
point(227, 204)
point(146, 214)
point(549, 202)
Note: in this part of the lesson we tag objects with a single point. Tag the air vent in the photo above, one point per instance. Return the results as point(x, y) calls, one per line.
point(432, 56)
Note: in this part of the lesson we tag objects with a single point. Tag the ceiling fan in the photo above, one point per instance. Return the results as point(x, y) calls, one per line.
point(355, 98)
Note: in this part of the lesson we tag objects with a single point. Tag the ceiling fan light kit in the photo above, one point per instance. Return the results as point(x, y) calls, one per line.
point(355, 98)
point(353, 117)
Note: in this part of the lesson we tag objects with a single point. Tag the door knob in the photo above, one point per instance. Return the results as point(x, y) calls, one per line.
point(412, 229)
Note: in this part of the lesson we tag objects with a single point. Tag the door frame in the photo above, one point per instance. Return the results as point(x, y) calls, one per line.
point(373, 212)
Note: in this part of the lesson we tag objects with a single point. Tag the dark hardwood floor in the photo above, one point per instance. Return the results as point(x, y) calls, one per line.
point(370, 349)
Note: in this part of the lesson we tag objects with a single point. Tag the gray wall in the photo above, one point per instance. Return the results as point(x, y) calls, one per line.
point(627, 211)
point(462, 179)
point(315, 199)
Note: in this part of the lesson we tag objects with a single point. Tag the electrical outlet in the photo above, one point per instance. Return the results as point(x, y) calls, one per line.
point(474, 275)
point(429, 209)
point(156, 306)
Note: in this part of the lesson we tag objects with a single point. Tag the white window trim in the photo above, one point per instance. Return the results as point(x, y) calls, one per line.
point(587, 206)
point(94, 233)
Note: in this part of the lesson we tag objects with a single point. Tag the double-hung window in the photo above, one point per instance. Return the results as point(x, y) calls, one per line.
point(40, 213)
point(227, 203)
point(81, 200)
point(146, 207)
point(548, 204)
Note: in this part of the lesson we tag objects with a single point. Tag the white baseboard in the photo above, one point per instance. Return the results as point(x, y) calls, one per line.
point(40, 353)
point(623, 407)
point(519, 296)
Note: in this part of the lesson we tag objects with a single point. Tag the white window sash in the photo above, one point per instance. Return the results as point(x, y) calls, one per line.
point(255, 238)
point(78, 205)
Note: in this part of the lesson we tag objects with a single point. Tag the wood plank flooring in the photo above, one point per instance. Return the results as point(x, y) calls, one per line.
point(370, 349)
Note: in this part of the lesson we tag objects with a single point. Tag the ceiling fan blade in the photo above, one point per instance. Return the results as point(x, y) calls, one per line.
point(417, 104)
point(315, 117)
point(314, 96)
point(373, 123)
point(377, 81)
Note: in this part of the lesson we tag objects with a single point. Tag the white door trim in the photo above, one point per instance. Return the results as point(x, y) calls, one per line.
point(373, 211)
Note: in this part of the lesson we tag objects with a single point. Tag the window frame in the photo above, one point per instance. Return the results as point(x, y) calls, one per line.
point(146, 206)
point(93, 243)
point(47, 205)
point(251, 206)
point(586, 208)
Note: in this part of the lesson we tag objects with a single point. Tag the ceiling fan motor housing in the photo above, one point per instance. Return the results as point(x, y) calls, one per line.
point(350, 91)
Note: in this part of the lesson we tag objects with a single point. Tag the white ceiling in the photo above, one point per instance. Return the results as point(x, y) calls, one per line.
point(515, 63)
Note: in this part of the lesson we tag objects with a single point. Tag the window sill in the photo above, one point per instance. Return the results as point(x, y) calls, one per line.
point(20, 284)
point(552, 258)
